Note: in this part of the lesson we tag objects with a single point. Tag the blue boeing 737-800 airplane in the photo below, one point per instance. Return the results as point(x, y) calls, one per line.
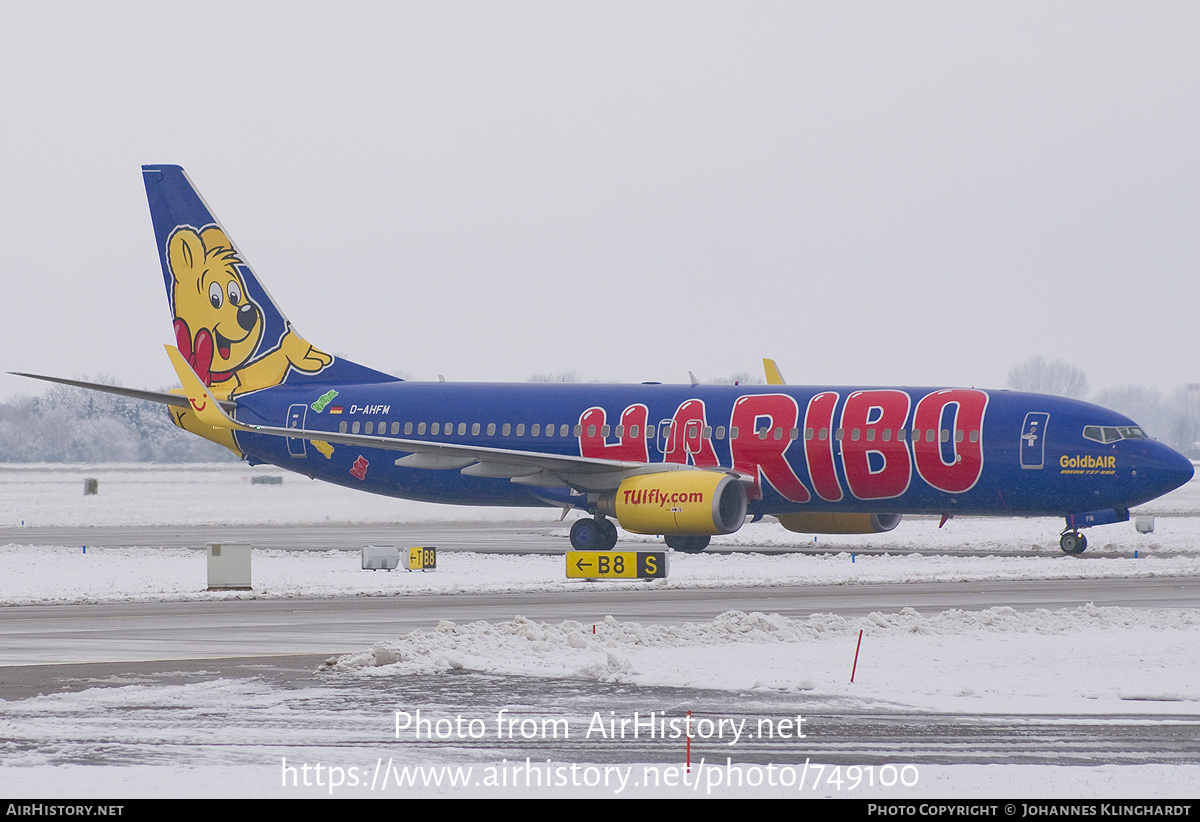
point(683, 461)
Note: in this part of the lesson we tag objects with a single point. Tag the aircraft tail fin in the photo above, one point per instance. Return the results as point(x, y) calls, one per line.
point(227, 327)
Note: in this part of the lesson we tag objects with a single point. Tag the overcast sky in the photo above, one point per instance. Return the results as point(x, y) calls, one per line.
point(871, 193)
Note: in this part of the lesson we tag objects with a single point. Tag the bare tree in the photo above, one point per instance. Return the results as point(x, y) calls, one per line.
point(1053, 377)
point(68, 424)
point(561, 376)
point(740, 378)
point(1164, 418)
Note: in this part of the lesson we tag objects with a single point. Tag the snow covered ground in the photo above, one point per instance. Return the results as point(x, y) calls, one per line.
point(1082, 661)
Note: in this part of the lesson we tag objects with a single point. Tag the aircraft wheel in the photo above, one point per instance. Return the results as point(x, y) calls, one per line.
point(687, 545)
point(1072, 542)
point(585, 535)
point(608, 534)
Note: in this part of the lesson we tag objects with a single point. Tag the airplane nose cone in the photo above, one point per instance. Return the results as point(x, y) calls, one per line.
point(1168, 469)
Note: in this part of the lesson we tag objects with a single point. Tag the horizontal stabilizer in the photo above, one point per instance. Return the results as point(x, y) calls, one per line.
point(161, 397)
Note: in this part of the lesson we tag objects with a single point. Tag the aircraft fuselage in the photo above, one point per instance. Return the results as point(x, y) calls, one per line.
point(802, 448)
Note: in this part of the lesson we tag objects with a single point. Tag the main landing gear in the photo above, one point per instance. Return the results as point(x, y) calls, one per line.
point(1072, 542)
point(593, 534)
point(599, 534)
point(688, 545)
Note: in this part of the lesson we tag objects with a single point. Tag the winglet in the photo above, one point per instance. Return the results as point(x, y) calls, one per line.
point(773, 375)
point(207, 408)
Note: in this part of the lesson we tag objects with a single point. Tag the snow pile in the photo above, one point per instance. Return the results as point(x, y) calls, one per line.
point(1079, 660)
point(567, 650)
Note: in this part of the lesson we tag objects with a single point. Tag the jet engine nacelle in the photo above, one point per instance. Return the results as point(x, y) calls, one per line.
point(678, 503)
point(834, 523)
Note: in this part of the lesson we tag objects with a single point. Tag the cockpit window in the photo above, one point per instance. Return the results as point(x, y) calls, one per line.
point(1112, 433)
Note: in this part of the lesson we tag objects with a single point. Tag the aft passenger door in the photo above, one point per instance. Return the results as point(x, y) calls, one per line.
point(296, 417)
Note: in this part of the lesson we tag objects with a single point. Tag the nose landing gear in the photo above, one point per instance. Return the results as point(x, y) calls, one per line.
point(1072, 542)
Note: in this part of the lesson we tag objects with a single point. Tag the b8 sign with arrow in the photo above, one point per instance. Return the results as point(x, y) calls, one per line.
point(616, 564)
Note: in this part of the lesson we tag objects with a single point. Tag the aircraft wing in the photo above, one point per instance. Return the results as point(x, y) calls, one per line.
point(526, 467)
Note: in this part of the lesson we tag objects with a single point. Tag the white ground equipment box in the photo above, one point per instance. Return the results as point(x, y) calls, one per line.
point(380, 557)
point(229, 566)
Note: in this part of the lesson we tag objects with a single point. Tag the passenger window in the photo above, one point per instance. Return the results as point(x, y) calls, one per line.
point(778, 433)
point(837, 435)
point(707, 432)
point(535, 430)
point(370, 428)
point(974, 436)
point(342, 427)
point(794, 434)
point(854, 435)
point(733, 432)
point(870, 435)
point(395, 428)
point(720, 432)
point(620, 431)
point(475, 429)
point(564, 429)
point(823, 435)
point(958, 435)
point(578, 429)
point(506, 430)
point(592, 430)
point(649, 432)
point(604, 431)
point(435, 429)
point(354, 428)
point(945, 435)
point(491, 429)
point(408, 428)
point(520, 429)
point(421, 428)
point(633, 429)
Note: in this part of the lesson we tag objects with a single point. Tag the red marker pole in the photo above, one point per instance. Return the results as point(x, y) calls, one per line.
point(689, 743)
point(856, 647)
